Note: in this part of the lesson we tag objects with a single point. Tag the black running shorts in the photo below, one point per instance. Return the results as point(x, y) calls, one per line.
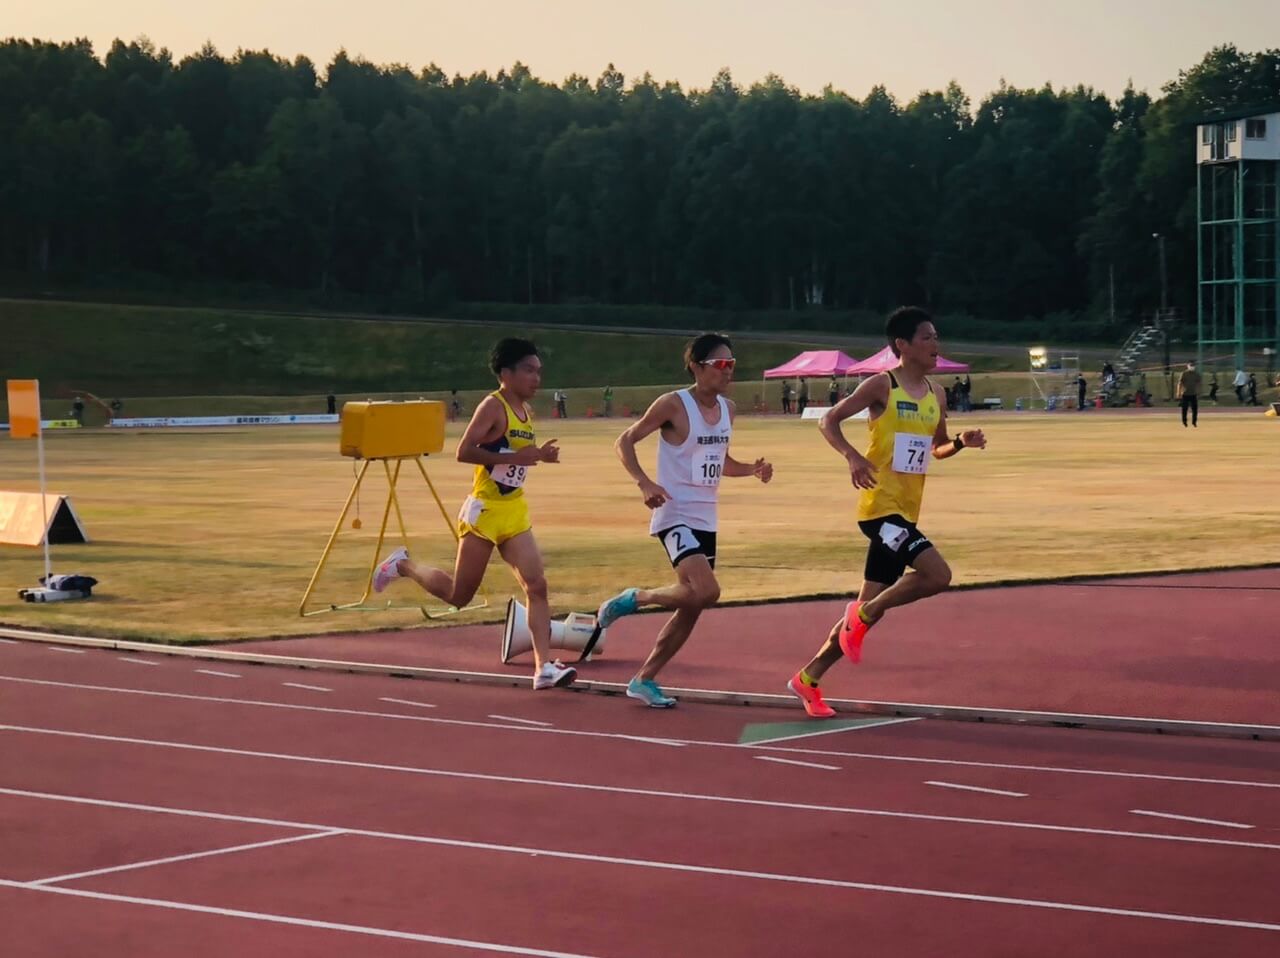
point(895, 544)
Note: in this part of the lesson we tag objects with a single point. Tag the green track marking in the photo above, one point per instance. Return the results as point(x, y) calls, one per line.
point(759, 733)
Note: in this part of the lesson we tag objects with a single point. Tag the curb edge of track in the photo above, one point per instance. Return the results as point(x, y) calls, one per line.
point(1112, 723)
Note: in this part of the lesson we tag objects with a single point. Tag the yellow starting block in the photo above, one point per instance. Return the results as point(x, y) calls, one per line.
point(387, 432)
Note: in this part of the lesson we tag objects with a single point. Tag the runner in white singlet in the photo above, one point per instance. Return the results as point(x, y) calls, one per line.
point(695, 426)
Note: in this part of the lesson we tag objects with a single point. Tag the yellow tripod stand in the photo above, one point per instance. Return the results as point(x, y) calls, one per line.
point(384, 432)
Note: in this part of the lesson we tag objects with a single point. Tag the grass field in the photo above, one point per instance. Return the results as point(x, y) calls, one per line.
point(214, 534)
point(273, 363)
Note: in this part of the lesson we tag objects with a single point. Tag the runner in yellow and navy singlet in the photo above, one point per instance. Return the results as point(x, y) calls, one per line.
point(908, 426)
point(497, 510)
point(500, 442)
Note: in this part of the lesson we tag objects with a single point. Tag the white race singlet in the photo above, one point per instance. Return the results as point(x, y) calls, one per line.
point(691, 471)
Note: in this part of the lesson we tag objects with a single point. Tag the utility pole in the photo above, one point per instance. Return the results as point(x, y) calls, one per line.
point(1162, 318)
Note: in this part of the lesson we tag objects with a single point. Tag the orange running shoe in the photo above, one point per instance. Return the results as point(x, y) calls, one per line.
point(811, 697)
point(852, 632)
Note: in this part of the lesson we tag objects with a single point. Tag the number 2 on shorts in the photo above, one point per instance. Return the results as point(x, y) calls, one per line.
point(678, 540)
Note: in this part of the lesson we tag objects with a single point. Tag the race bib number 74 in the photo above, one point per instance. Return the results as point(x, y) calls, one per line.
point(911, 453)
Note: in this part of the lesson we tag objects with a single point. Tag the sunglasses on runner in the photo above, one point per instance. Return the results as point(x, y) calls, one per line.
point(721, 364)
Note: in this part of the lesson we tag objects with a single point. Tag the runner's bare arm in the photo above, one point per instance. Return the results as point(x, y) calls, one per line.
point(871, 395)
point(656, 416)
point(488, 423)
point(761, 469)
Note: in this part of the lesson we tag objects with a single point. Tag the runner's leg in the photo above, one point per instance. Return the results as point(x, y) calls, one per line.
point(468, 570)
point(699, 589)
point(931, 576)
point(522, 554)
point(830, 653)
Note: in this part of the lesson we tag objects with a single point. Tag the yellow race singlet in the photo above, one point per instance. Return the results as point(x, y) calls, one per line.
point(505, 482)
point(901, 447)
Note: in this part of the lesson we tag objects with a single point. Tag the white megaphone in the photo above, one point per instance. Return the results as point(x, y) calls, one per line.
point(574, 633)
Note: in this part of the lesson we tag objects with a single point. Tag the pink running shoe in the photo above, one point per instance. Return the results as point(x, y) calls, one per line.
point(811, 697)
point(388, 569)
point(852, 632)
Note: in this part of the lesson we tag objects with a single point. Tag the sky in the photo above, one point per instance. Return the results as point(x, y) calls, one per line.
point(905, 45)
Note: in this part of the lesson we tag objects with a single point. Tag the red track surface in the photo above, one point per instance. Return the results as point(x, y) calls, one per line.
point(610, 830)
point(1199, 647)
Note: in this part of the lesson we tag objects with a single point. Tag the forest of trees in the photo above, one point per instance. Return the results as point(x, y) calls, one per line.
point(412, 191)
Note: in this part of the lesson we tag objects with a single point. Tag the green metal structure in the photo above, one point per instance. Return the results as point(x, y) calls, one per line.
point(1237, 226)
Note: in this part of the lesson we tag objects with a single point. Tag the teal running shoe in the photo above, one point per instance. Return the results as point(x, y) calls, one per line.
point(648, 692)
point(624, 603)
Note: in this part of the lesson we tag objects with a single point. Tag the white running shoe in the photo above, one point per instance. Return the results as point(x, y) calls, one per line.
point(387, 569)
point(554, 675)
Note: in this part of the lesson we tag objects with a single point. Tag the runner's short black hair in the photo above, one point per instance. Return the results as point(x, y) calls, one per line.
point(903, 323)
point(700, 347)
point(508, 352)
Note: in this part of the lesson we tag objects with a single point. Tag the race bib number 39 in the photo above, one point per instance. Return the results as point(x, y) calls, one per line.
point(510, 475)
point(708, 466)
point(911, 453)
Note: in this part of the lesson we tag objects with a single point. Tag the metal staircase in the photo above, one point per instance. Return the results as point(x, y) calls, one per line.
point(1142, 341)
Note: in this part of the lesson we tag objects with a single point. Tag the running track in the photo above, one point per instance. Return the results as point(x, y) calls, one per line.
point(160, 806)
point(1198, 647)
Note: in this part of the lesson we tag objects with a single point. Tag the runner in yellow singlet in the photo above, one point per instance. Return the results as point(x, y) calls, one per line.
point(501, 443)
point(908, 425)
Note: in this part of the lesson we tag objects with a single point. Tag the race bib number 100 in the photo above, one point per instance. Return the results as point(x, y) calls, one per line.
point(911, 453)
point(708, 466)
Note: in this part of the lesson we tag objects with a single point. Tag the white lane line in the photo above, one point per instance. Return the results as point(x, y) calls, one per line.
point(223, 675)
point(186, 858)
point(8, 641)
point(522, 721)
point(791, 761)
point(58, 648)
point(464, 723)
point(1188, 818)
point(297, 922)
point(309, 688)
point(136, 661)
point(655, 741)
point(975, 788)
point(421, 705)
point(645, 792)
point(632, 862)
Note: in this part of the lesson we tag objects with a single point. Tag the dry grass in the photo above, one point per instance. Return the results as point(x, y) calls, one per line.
point(215, 534)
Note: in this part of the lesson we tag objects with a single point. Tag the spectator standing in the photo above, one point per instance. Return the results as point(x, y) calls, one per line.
point(1189, 394)
point(804, 395)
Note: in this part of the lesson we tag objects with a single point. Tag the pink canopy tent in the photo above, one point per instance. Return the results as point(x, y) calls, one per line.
point(817, 362)
point(885, 359)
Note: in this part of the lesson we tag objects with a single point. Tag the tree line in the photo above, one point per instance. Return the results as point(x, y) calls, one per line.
point(410, 191)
